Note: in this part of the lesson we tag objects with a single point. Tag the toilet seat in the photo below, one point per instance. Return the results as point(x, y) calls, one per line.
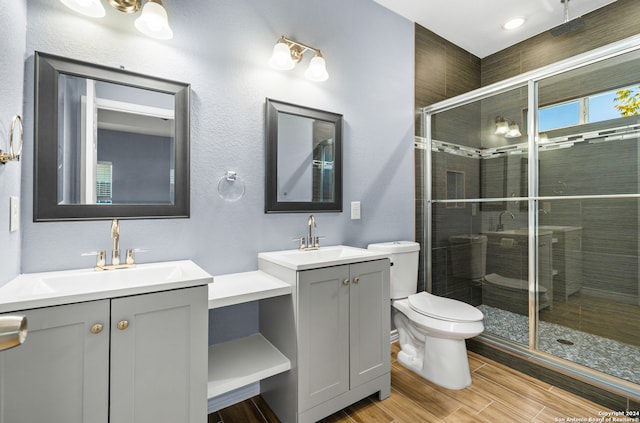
point(444, 308)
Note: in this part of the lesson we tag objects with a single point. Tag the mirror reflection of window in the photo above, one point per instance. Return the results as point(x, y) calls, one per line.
point(104, 183)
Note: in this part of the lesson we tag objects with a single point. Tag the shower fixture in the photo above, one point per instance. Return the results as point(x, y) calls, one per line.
point(568, 25)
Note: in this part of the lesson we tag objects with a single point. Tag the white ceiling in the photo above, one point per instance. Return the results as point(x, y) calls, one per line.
point(476, 25)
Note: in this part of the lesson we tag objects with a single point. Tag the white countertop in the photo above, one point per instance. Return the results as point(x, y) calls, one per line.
point(34, 290)
point(244, 287)
point(334, 255)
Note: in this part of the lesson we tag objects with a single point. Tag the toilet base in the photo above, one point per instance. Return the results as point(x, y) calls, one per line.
point(443, 362)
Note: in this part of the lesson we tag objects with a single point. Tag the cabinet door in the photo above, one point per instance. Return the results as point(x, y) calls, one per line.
point(323, 335)
point(61, 372)
point(159, 357)
point(369, 305)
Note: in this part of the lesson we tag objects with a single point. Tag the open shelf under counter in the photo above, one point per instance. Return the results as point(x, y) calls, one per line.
point(243, 361)
point(237, 288)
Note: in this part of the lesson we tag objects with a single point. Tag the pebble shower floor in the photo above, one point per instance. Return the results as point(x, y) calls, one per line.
point(596, 352)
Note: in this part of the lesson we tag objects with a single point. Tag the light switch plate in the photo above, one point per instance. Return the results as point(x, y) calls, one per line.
point(14, 214)
point(355, 210)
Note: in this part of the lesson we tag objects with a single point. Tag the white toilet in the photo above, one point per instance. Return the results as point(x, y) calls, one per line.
point(431, 329)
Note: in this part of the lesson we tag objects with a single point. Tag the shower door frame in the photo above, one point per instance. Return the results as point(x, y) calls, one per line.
point(530, 80)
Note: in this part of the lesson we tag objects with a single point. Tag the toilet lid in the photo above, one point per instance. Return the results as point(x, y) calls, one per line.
point(444, 308)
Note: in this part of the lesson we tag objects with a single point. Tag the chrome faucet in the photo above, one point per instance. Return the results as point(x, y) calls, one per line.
point(311, 242)
point(311, 223)
point(116, 263)
point(500, 224)
point(115, 236)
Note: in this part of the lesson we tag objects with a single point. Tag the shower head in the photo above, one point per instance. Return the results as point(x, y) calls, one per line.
point(568, 25)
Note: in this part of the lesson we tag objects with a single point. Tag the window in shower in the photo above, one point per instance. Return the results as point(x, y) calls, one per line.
point(598, 107)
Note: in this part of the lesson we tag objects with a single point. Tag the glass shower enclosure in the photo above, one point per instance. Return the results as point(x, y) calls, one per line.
point(532, 210)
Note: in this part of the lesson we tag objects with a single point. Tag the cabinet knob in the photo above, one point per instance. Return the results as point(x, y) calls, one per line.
point(345, 282)
point(122, 324)
point(96, 329)
point(356, 280)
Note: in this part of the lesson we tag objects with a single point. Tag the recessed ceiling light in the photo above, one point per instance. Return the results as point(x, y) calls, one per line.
point(514, 23)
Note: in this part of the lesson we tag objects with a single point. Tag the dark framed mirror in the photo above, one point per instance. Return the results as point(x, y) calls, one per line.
point(108, 143)
point(303, 159)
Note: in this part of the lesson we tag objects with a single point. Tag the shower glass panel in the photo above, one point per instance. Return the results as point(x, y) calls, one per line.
point(479, 237)
point(588, 191)
point(540, 228)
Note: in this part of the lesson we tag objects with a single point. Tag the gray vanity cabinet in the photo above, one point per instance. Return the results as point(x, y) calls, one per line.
point(61, 372)
point(343, 336)
point(159, 360)
point(145, 363)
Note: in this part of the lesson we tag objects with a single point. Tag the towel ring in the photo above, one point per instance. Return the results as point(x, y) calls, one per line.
point(230, 187)
point(15, 156)
point(12, 155)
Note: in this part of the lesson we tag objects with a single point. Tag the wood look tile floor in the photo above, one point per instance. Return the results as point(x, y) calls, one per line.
point(497, 394)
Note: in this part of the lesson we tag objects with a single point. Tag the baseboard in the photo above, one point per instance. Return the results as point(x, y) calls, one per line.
point(233, 397)
point(393, 335)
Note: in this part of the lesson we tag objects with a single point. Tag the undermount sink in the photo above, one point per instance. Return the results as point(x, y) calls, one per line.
point(322, 257)
point(91, 284)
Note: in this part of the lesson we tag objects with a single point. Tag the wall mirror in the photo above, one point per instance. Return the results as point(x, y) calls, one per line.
point(108, 143)
point(303, 159)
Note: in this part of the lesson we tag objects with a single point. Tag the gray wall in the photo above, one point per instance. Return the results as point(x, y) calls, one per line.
point(222, 49)
point(13, 17)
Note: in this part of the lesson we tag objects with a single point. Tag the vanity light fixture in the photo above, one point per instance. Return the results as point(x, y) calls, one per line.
point(287, 53)
point(502, 126)
point(152, 22)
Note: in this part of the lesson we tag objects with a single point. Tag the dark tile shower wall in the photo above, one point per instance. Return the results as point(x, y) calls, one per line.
point(443, 70)
point(609, 226)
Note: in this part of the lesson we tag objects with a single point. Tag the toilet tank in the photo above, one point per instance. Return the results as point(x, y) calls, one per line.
point(404, 266)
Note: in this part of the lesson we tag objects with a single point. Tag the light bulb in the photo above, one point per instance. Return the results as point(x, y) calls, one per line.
point(91, 8)
point(281, 56)
point(153, 21)
point(502, 127)
point(317, 70)
point(514, 131)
